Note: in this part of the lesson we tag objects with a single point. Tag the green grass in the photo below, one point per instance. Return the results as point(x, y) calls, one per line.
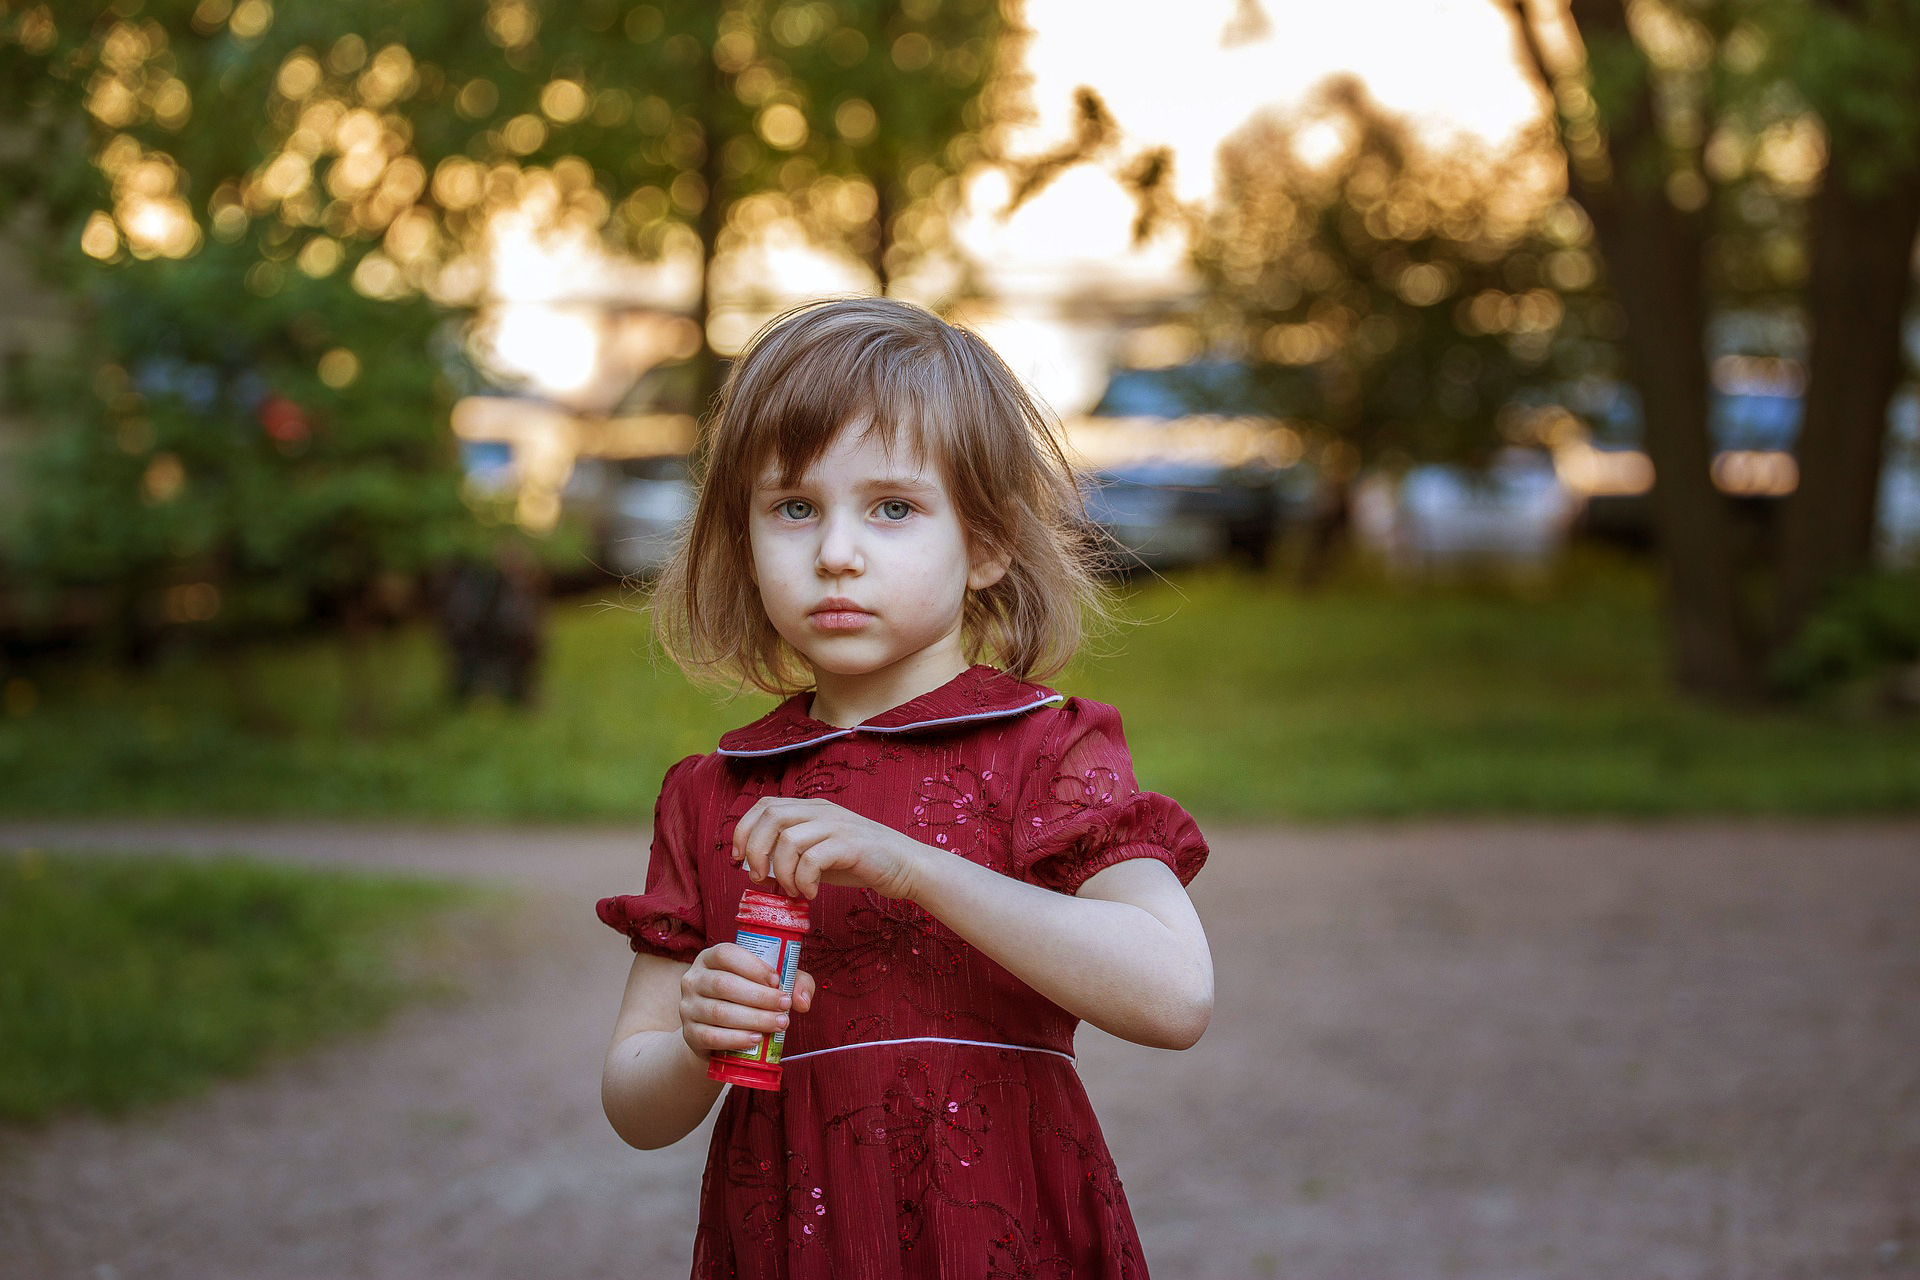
point(1248, 700)
point(1243, 698)
point(127, 981)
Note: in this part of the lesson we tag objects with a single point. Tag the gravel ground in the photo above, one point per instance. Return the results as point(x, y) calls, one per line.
point(1488, 1050)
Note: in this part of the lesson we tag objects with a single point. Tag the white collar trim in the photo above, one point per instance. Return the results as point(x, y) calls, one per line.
point(1052, 699)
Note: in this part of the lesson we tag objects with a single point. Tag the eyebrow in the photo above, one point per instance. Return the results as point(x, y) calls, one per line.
point(876, 485)
point(900, 482)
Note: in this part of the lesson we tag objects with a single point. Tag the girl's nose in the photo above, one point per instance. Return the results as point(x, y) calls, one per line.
point(839, 547)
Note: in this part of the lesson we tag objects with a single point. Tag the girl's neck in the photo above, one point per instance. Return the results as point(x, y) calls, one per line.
point(845, 700)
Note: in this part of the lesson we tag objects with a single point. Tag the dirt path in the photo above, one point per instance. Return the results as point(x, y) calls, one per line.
point(1484, 1050)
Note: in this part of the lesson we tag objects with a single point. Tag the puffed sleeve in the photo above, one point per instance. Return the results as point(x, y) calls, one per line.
point(668, 919)
point(1081, 810)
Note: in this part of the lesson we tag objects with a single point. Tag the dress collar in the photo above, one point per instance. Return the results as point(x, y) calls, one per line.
point(980, 692)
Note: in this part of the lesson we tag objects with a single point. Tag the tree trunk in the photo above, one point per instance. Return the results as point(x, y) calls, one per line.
point(1861, 277)
point(883, 211)
point(358, 695)
point(1655, 258)
point(1656, 261)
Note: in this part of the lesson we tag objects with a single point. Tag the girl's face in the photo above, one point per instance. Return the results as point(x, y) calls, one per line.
point(862, 563)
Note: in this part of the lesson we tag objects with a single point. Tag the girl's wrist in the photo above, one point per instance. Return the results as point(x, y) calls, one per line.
point(690, 1062)
point(929, 870)
point(914, 861)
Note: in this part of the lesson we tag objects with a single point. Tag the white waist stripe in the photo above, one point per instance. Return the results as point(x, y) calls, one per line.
point(874, 1044)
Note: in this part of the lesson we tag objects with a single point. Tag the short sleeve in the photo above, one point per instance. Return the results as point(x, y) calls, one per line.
point(668, 919)
point(1081, 810)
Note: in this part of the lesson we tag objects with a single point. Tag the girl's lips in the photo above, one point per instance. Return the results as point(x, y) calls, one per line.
point(840, 619)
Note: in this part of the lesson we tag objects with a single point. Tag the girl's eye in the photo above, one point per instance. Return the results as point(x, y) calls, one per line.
point(896, 509)
point(795, 509)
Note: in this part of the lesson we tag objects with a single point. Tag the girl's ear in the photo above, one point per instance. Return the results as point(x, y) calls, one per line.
point(987, 570)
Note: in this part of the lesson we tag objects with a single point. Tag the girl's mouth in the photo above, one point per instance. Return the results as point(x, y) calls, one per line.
point(839, 619)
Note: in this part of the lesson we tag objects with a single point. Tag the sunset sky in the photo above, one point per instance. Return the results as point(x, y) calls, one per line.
point(1184, 83)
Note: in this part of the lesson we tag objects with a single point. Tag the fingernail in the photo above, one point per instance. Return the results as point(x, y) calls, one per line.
point(781, 1022)
point(785, 1000)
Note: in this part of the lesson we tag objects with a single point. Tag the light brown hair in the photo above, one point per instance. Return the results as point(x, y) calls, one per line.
point(892, 368)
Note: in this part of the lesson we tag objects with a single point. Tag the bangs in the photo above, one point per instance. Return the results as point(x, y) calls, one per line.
point(800, 394)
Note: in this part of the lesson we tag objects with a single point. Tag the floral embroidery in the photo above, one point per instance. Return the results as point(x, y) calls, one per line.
point(926, 1129)
point(1097, 1168)
point(826, 776)
point(780, 1194)
point(960, 810)
point(885, 935)
point(1093, 788)
point(1015, 1254)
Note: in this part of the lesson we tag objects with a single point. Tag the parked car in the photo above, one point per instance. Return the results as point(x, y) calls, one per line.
point(1513, 513)
point(1181, 467)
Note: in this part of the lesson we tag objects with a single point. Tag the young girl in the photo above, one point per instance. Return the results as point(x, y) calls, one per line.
point(882, 505)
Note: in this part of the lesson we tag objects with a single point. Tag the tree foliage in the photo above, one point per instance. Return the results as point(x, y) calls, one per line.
point(267, 211)
point(1396, 294)
point(255, 467)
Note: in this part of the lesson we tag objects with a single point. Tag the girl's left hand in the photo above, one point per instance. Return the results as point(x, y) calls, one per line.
point(802, 844)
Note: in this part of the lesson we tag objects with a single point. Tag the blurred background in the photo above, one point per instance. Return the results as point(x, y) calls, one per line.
point(1502, 412)
point(330, 323)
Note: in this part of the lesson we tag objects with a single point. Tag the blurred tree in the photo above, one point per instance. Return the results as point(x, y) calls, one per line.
point(243, 192)
point(854, 115)
point(1392, 297)
point(1857, 63)
point(1677, 120)
point(1397, 295)
point(242, 469)
point(911, 90)
point(233, 435)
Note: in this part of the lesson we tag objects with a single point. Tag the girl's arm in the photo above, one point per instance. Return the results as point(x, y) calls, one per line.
point(654, 1086)
point(1127, 954)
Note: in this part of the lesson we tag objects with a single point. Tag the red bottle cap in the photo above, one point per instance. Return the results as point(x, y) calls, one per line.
point(775, 910)
point(753, 1075)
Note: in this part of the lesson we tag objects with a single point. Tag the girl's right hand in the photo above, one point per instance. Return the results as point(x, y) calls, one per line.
point(729, 998)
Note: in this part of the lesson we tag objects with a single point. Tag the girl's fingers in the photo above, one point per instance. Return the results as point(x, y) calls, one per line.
point(704, 1039)
point(758, 831)
point(749, 852)
point(803, 988)
point(790, 865)
point(807, 872)
point(731, 957)
point(732, 1017)
point(735, 989)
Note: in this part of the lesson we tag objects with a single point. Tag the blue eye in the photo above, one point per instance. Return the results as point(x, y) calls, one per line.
point(896, 509)
point(786, 509)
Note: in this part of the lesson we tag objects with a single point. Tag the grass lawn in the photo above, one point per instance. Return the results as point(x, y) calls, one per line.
point(127, 981)
point(1242, 697)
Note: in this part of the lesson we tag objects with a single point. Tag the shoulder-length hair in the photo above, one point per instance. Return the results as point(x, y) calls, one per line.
point(901, 371)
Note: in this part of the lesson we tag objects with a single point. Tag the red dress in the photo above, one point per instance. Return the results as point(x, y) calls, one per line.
point(930, 1122)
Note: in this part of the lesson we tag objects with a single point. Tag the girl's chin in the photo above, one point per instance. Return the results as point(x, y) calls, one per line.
point(856, 653)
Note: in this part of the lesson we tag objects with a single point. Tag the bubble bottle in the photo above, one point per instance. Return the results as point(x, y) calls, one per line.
point(771, 925)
